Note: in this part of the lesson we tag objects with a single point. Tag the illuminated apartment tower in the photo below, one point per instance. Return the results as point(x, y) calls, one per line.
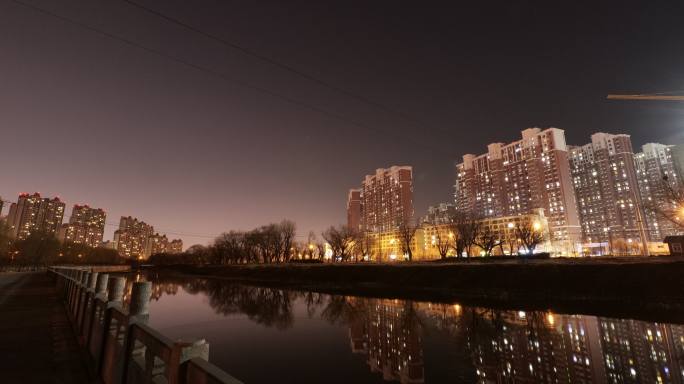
point(519, 177)
point(32, 213)
point(354, 210)
point(443, 213)
point(605, 181)
point(131, 239)
point(156, 244)
point(175, 246)
point(386, 200)
point(654, 163)
point(86, 226)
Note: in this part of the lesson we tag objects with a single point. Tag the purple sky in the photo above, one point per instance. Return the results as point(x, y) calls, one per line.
point(97, 121)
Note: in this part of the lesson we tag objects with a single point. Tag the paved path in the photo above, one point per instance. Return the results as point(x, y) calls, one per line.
point(37, 344)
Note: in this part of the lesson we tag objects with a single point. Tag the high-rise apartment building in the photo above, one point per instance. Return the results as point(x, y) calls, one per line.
point(442, 213)
point(520, 177)
point(156, 243)
point(175, 246)
point(605, 182)
point(354, 209)
point(131, 239)
point(33, 213)
point(384, 202)
point(658, 173)
point(86, 226)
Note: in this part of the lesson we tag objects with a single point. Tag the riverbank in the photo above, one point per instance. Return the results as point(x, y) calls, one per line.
point(621, 286)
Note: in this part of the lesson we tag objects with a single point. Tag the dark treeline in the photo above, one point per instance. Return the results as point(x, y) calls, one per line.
point(272, 243)
point(41, 249)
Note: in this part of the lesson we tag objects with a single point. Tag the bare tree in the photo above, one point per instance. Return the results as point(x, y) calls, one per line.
point(320, 250)
point(671, 205)
point(363, 245)
point(341, 241)
point(443, 243)
point(529, 235)
point(228, 248)
point(310, 247)
point(407, 232)
point(467, 228)
point(511, 241)
point(487, 240)
point(286, 234)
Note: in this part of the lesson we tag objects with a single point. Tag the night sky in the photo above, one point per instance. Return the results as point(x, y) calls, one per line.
point(190, 145)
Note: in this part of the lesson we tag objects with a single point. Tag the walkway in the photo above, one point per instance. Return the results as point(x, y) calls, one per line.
point(37, 343)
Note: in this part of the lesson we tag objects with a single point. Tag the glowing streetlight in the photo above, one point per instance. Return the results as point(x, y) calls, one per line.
point(536, 226)
point(550, 318)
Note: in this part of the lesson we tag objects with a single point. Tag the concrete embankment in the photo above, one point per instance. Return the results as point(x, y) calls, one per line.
point(619, 285)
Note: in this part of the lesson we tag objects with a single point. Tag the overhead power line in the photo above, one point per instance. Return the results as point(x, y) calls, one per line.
point(277, 95)
point(272, 61)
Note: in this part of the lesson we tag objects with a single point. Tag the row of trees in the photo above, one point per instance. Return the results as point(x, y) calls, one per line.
point(276, 243)
point(272, 243)
point(42, 249)
point(466, 234)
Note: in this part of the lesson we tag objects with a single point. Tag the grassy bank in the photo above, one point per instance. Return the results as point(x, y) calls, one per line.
point(618, 284)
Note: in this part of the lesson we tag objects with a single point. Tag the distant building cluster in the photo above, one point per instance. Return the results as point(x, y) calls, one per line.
point(86, 226)
point(594, 198)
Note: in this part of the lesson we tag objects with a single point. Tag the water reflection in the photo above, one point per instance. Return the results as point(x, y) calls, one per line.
point(463, 344)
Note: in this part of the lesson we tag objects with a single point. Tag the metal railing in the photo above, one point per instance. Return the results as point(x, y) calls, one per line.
point(119, 345)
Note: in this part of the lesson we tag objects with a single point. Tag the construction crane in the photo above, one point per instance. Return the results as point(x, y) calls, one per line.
point(655, 96)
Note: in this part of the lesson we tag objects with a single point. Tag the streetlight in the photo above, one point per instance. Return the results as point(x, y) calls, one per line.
point(536, 226)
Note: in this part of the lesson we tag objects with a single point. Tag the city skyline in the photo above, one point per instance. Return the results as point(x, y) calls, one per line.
point(109, 123)
point(190, 238)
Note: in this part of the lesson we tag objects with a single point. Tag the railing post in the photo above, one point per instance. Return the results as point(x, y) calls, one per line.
point(101, 284)
point(101, 294)
point(84, 315)
point(70, 287)
point(198, 348)
point(115, 289)
point(80, 303)
point(140, 300)
point(74, 292)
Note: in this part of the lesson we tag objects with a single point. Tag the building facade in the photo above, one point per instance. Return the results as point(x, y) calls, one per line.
point(442, 213)
point(156, 243)
point(175, 246)
point(86, 226)
point(384, 202)
point(33, 213)
point(131, 239)
point(658, 173)
point(605, 182)
point(503, 229)
point(519, 178)
point(354, 210)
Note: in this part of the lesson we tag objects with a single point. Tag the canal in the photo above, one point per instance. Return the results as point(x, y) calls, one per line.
point(266, 335)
